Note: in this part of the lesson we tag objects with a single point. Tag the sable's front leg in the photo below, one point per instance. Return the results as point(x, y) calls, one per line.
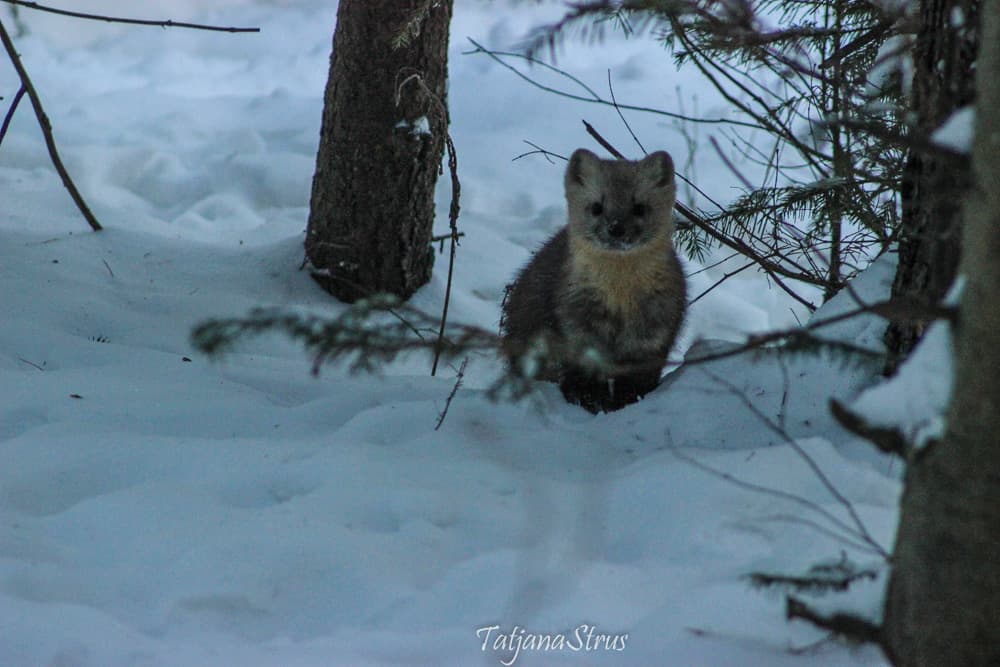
point(597, 393)
point(627, 389)
point(585, 389)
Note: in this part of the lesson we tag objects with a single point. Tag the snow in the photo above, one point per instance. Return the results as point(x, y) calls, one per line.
point(956, 131)
point(160, 509)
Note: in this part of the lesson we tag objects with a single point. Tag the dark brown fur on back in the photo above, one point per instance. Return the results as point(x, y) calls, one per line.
point(599, 306)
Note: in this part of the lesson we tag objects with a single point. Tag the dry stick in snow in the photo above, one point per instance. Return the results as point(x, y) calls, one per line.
point(43, 122)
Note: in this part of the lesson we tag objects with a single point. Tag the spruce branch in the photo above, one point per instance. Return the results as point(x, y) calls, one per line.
point(826, 576)
point(848, 626)
point(369, 333)
point(887, 439)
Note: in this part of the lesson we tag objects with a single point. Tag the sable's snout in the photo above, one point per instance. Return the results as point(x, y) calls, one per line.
point(618, 233)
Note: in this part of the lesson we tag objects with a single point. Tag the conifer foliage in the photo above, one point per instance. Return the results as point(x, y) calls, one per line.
point(819, 79)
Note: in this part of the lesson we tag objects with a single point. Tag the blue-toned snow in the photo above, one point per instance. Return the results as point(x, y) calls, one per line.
point(158, 509)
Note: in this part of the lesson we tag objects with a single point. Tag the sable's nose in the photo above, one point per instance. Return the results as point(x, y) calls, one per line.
point(616, 229)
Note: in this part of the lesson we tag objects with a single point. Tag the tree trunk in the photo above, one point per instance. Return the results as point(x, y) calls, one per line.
point(381, 144)
point(943, 600)
point(929, 240)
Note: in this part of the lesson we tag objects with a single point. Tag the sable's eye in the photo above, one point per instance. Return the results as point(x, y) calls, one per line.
point(596, 208)
point(639, 210)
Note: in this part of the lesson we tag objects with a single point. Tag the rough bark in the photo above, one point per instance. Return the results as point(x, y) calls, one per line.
point(372, 206)
point(929, 240)
point(944, 592)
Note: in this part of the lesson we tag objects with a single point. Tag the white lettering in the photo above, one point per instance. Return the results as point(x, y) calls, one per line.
point(585, 637)
point(488, 630)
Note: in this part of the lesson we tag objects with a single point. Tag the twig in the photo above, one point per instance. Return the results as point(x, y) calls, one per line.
point(721, 280)
point(10, 112)
point(618, 109)
point(444, 237)
point(594, 97)
point(602, 141)
point(456, 191)
point(725, 160)
point(31, 363)
point(815, 525)
point(898, 309)
point(114, 19)
point(108, 267)
point(43, 122)
point(548, 155)
point(859, 526)
point(848, 535)
point(711, 266)
point(456, 188)
point(454, 390)
point(785, 385)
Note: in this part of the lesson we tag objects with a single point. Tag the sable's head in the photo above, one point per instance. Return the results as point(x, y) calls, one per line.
point(620, 205)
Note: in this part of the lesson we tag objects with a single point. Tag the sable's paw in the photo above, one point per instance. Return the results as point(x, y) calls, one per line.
point(598, 394)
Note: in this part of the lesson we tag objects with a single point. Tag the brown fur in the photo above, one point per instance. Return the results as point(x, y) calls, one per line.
point(608, 283)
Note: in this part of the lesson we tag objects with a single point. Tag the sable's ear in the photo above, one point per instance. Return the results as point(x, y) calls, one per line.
point(657, 168)
point(581, 167)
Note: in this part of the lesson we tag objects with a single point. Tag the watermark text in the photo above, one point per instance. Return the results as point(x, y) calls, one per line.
point(582, 638)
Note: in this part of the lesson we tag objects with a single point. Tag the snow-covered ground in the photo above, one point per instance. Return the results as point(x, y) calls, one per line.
point(160, 509)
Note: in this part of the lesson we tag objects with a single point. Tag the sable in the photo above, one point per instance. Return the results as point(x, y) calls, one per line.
point(598, 307)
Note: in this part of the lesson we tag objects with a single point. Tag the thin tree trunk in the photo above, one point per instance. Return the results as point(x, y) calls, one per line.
point(930, 238)
point(943, 600)
point(381, 144)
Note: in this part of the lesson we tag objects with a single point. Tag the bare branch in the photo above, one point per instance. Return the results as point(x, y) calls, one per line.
point(898, 310)
point(593, 98)
point(114, 19)
point(859, 526)
point(840, 530)
point(441, 118)
point(10, 112)
point(46, 126)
